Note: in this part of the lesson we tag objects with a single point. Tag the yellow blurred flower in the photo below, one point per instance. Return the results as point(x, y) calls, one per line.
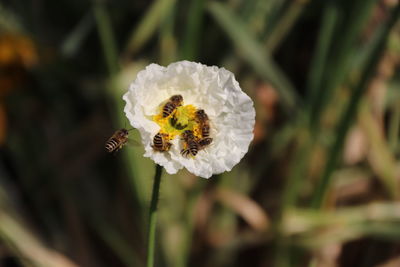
point(17, 54)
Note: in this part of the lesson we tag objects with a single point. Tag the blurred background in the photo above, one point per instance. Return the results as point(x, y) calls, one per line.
point(320, 186)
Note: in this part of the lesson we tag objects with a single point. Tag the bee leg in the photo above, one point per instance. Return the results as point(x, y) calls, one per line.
point(173, 121)
point(185, 152)
point(168, 146)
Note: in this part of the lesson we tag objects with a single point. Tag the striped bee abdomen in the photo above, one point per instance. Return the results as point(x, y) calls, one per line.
point(111, 145)
point(205, 130)
point(160, 144)
point(158, 140)
point(192, 149)
point(168, 109)
point(117, 140)
point(173, 102)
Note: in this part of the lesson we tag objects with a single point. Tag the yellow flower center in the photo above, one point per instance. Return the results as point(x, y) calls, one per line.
point(181, 119)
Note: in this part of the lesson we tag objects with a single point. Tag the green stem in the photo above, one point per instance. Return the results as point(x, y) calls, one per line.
point(153, 217)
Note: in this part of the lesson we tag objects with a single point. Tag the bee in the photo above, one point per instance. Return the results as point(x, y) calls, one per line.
point(160, 143)
point(201, 116)
point(202, 119)
point(173, 102)
point(191, 145)
point(204, 142)
point(117, 140)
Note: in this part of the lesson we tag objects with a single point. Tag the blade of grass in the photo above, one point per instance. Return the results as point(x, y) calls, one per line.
point(117, 243)
point(75, 38)
point(351, 111)
point(297, 171)
point(294, 182)
point(379, 220)
point(26, 244)
point(167, 39)
point(260, 16)
point(277, 7)
point(328, 22)
point(107, 37)
point(190, 208)
point(254, 54)
point(284, 24)
point(341, 56)
point(193, 30)
point(394, 126)
point(9, 21)
point(380, 156)
point(147, 26)
point(246, 9)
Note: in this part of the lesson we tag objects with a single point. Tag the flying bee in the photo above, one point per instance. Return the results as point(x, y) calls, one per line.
point(169, 107)
point(191, 145)
point(160, 142)
point(117, 140)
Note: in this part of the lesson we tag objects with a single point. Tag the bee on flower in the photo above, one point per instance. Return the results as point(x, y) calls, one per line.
point(207, 121)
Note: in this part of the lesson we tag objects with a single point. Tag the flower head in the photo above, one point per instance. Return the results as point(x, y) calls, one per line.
point(191, 115)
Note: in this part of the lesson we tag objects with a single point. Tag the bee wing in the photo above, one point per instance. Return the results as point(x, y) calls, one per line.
point(132, 142)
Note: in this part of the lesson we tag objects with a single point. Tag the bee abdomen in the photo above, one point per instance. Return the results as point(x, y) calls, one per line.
point(111, 145)
point(205, 130)
point(158, 138)
point(158, 141)
point(168, 109)
point(192, 149)
point(160, 144)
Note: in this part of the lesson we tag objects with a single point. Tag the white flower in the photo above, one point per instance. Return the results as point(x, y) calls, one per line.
point(212, 89)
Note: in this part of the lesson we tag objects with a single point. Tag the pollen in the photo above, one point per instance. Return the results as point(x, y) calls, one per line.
point(181, 119)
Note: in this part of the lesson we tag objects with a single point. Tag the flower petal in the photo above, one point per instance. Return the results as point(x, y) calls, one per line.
point(230, 110)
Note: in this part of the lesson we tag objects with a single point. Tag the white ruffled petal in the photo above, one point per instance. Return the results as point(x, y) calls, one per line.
point(230, 110)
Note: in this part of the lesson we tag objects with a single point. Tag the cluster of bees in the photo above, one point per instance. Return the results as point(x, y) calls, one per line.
point(192, 144)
